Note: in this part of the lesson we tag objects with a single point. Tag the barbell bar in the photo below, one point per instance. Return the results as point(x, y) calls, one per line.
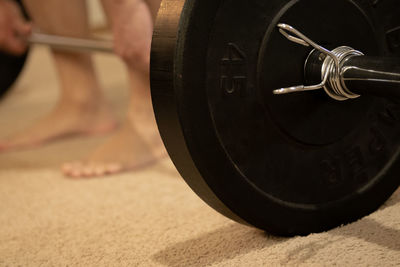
point(11, 66)
point(71, 43)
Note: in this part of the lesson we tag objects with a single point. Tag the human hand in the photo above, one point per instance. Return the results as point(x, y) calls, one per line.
point(132, 25)
point(14, 29)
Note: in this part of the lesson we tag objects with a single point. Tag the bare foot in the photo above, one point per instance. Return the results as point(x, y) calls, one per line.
point(130, 148)
point(65, 120)
point(138, 142)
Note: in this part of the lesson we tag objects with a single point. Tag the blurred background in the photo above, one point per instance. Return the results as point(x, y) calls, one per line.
point(96, 15)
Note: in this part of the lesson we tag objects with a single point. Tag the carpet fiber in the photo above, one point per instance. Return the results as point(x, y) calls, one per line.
point(144, 218)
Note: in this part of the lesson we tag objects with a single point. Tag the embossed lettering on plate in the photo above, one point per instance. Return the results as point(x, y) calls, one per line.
point(233, 78)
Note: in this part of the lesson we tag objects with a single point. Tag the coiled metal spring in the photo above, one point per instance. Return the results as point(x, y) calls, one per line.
point(332, 69)
point(335, 86)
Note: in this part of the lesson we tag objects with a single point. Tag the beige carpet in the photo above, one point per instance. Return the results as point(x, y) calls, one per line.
point(144, 218)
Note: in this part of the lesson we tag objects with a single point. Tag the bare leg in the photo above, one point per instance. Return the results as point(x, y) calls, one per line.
point(138, 142)
point(81, 108)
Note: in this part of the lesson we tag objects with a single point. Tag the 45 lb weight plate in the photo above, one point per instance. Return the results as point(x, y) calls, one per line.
point(291, 164)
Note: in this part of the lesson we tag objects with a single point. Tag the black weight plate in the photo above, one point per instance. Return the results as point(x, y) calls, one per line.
point(10, 65)
point(389, 15)
point(10, 68)
point(290, 164)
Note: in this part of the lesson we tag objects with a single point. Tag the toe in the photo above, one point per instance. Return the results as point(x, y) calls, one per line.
point(99, 170)
point(73, 170)
point(113, 168)
point(89, 170)
point(76, 173)
point(68, 167)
